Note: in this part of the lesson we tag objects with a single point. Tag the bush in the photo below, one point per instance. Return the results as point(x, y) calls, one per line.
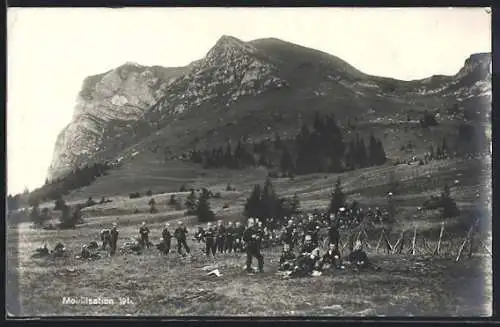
point(134, 195)
point(225, 206)
point(273, 174)
point(149, 193)
point(172, 201)
point(217, 195)
point(183, 188)
point(70, 218)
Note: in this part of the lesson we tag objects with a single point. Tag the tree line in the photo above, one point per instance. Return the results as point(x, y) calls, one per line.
point(77, 178)
point(317, 148)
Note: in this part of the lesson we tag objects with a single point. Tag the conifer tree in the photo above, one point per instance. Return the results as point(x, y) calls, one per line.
point(337, 198)
point(203, 210)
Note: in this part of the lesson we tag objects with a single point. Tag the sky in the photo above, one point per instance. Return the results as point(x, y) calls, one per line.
point(51, 50)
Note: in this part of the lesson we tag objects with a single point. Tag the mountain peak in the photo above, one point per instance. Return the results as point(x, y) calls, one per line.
point(229, 45)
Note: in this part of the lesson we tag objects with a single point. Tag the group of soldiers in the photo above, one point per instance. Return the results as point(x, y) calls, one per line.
point(301, 237)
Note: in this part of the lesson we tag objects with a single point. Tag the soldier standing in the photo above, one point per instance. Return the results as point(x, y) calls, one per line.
point(252, 238)
point(221, 233)
point(144, 232)
point(333, 234)
point(181, 234)
point(209, 235)
point(113, 238)
point(238, 237)
point(167, 239)
point(105, 238)
point(228, 246)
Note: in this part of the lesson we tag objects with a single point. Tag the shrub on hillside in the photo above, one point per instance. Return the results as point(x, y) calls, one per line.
point(203, 210)
point(273, 174)
point(172, 201)
point(135, 195)
point(149, 193)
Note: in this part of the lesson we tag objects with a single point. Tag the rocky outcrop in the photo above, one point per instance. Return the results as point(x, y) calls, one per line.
point(120, 96)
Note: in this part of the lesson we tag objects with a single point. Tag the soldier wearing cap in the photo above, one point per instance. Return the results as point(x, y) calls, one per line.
point(358, 257)
point(308, 258)
point(333, 233)
point(181, 234)
point(332, 257)
point(221, 235)
point(252, 238)
point(312, 229)
point(167, 239)
point(287, 258)
point(144, 233)
point(105, 238)
point(238, 237)
point(209, 235)
point(288, 235)
point(229, 238)
point(113, 238)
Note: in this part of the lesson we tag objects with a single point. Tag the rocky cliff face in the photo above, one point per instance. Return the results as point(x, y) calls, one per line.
point(230, 70)
point(120, 96)
point(122, 107)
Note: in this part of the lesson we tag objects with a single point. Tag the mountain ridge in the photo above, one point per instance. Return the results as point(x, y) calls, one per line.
point(125, 105)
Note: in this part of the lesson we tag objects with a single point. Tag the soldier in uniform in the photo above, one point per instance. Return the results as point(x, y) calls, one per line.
point(238, 237)
point(200, 234)
point(167, 239)
point(332, 257)
point(144, 233)
point(308, 258)
point(333, 234)
point(312, 229)
point(252, 238)
point(221, 234)
point(181, 235)
point(287, 236)
point(105, 238)
point(229, 238)
point(113, 238)
point(209, 235)
point(287, 258)
point(359, 259)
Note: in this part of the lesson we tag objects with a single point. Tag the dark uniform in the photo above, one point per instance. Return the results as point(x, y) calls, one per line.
point(332, 257)
point(210, 246)
point(287, 260)
point(252, 237)
point(167, 240)
point(86, 254)
point(199, 235)
point(333, 235)
point(312, 228)
point(238, 238)
point(221, 235)
point(229, 239)
point(288, 236)
point(105, 238)
point(181, 234)
point(114, 240)
point(306, 261)
point(144, 232)
point(359, 259)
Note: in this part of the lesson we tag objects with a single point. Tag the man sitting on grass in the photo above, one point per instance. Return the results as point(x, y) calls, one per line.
point(307, 260)
point(332, 258)
point(287, 258)
point(359, 259)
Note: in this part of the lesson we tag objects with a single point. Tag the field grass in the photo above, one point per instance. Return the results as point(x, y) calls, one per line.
point(405, 285)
